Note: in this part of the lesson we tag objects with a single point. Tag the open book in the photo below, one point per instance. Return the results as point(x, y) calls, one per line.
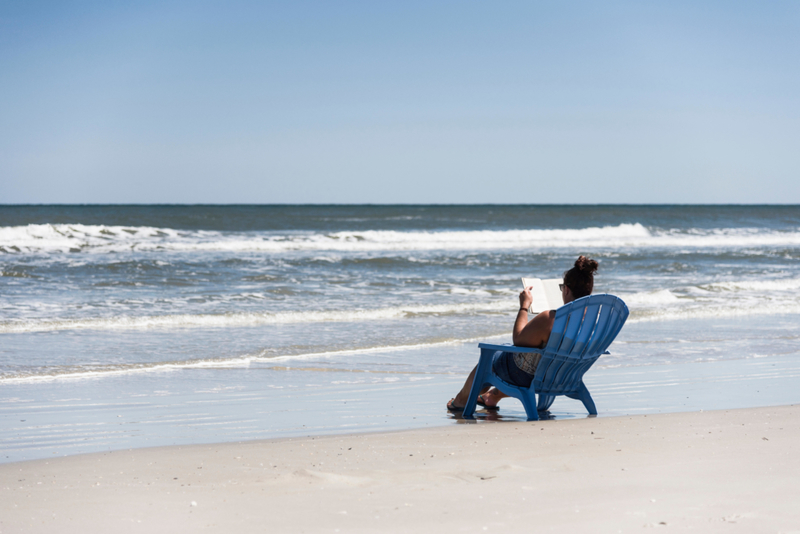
point(546, 295)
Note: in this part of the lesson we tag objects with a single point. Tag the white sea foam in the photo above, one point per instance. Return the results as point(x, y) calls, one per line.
point(709, 311)
point(764, 286)
point(719, 299)
point(730, 298)
point(466, 291)
point(651, 298)
point(73, 373)
point(88, 238)
point(111, 370)
point(247, 319)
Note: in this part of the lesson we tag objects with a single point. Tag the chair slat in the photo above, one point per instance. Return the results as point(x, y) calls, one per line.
point(587, 329)
point(600, 331)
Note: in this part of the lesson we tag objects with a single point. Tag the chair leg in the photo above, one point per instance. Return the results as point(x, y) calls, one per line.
point(528, 399)
point(545, 401)
point(481, 373)
point(586, 398)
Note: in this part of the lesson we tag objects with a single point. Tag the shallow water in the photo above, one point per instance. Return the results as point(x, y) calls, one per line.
point(374, 391)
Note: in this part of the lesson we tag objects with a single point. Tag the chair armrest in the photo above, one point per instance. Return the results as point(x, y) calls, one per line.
point(508, 348)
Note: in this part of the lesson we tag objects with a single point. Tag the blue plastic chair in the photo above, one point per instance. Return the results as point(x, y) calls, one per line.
point(582, 331)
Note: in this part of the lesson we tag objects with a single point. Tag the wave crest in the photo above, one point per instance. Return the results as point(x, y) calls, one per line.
point(88, 238)
point(228, 320)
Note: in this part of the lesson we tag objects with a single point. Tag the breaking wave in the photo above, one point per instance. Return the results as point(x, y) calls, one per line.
point(227, 320)
point(76, 238)
point(104, 371)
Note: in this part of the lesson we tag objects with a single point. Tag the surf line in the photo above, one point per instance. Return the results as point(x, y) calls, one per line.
point(340, 370)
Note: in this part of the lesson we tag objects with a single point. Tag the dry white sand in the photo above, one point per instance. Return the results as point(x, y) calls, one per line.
point(722, 471)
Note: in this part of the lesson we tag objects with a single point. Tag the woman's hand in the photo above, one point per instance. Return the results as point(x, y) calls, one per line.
point(526, 299)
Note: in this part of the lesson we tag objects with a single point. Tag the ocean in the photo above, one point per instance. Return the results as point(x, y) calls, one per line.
point(124, 326)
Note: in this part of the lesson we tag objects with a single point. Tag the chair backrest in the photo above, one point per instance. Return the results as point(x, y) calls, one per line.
point(582, 331)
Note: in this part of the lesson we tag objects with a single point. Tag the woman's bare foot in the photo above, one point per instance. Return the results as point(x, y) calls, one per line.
point(482, 402)
point(490, 399)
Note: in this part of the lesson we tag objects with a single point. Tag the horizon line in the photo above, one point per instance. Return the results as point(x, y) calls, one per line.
point(387, 204)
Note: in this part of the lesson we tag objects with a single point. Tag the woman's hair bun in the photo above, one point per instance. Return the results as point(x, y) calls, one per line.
point(586, 265)
point(580, 279)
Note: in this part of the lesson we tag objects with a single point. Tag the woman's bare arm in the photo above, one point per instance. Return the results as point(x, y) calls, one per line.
point(536, 332)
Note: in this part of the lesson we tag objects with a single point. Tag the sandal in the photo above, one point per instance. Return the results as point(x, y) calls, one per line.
point(451, 406)
point(482, 402)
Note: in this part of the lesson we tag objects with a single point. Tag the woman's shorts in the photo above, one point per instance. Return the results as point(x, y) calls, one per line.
point(504, 367)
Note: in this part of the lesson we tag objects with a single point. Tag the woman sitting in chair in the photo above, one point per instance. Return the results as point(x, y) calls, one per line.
point(518, 369)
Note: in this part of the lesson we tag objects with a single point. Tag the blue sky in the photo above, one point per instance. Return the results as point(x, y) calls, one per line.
point(407, 102)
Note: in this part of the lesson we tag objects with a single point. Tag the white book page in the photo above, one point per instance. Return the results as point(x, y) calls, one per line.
point(545, 293)
point(554, 300)
point(537, 292)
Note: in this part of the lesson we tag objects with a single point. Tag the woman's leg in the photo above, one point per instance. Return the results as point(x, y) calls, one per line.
point(460, 400)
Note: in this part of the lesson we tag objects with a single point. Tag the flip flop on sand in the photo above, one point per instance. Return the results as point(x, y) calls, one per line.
point(482, 402)
point(451, 406)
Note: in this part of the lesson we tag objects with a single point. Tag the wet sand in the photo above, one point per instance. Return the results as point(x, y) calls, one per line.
point(718, 471)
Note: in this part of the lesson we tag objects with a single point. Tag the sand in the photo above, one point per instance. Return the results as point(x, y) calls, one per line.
point(720, 471)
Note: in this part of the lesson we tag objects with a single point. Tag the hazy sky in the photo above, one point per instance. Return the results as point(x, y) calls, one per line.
point(445, 102)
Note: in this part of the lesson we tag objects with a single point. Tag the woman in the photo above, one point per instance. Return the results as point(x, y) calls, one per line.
point(518, 369)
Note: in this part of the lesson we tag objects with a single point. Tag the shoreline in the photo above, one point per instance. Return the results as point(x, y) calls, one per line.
point(714, 470)
point(325, 398)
